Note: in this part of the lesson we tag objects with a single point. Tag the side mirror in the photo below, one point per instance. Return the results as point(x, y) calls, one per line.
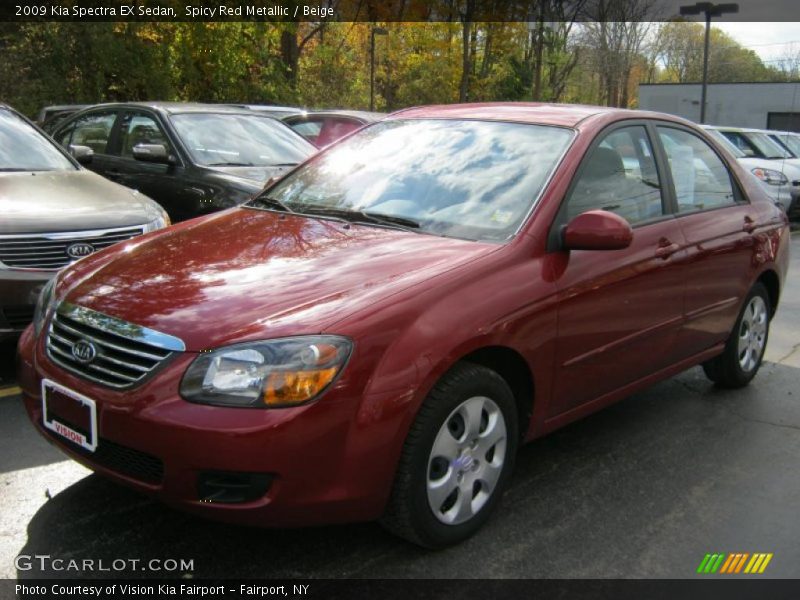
point(156, 153)
point(83, 154)
point(597, 230)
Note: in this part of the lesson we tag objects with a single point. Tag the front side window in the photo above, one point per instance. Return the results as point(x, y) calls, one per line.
point(469, 179)
point(93, 130)
point(22, 148)
point(619, 176)
point(702, 181)
point(140, 129)
point(220, 139)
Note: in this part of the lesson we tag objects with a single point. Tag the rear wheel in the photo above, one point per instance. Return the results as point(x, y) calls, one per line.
point(744, 350)
point(456, 460)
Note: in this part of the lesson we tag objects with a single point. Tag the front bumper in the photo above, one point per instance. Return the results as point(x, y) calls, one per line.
point(323, 464)
point(19, 291)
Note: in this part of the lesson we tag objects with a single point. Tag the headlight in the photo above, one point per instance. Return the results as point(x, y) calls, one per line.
point(159, 223)
point(43, 305)
point(269, 374)
point(769, 176)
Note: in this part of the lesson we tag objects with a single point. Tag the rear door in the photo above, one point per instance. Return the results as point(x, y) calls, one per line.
point(619, 311)
point(162, 182)
point(719, 226)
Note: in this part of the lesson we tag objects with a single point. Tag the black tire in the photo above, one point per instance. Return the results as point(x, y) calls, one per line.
point(726, 369)
point(409, 513)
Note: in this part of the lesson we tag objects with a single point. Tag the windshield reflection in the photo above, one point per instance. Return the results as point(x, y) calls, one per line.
point(22, 148)
point(467, 179)
point(222, 139)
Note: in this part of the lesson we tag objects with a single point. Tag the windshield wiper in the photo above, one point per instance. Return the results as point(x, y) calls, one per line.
point(231, 164)
point(359, 216)
point(268, 202)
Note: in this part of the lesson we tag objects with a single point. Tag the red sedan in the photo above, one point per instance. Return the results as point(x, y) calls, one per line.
point(378, 332)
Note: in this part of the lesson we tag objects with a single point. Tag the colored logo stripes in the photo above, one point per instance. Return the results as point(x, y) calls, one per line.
point(735, 562)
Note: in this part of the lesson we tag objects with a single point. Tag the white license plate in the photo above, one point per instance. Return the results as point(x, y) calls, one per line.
point(69, 414)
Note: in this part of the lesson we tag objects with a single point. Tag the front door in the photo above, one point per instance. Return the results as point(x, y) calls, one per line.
point(619, 310)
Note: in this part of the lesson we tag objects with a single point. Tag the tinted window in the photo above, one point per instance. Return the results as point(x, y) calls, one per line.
point(702, 180)
point(140, 129)
point(619, 176)
point(470, 179)
point(240, 140)
point(22, 148)
point(93, 131)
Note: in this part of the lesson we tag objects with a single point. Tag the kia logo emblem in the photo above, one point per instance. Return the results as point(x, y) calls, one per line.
point(79, 250)
point(84, 351)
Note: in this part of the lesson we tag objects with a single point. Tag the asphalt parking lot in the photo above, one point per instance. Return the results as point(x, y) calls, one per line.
point(643, 489)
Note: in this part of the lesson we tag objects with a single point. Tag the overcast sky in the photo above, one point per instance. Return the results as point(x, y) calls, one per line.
point(769, 40)
point(765, 26)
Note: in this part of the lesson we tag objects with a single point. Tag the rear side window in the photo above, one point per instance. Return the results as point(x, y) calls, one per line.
point(92, 130)
point(702, 181)
point(619, 176)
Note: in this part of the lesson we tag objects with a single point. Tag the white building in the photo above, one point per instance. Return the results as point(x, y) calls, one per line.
point(759, 105)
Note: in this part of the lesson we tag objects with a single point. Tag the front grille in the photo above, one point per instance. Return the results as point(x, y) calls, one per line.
point(120, 459)
point(49, 250)
point(122, 353)
point(18, 317)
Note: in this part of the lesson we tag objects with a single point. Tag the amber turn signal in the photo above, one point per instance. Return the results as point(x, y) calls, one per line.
point(294, 387)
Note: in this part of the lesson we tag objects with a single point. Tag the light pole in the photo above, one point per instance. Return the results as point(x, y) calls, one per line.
point(375, 31)
point(710, 10)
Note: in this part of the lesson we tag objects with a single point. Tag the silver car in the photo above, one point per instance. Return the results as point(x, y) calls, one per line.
point(54, 212)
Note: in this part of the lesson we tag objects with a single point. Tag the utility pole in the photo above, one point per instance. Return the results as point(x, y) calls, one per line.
point(710, 10)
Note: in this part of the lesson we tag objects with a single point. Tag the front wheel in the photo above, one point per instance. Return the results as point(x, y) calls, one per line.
point(744, 350)
point(456, 460)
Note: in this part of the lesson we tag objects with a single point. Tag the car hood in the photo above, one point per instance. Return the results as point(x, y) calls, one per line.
point(249, 274)
point(49, 201)
point(253, 175)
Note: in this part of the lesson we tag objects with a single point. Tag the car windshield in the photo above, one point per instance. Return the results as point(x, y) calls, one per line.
point(221, 139)
point(22, 148)
point(468, 179)
point(729, 146)
point(792, 142)
point(767, 147)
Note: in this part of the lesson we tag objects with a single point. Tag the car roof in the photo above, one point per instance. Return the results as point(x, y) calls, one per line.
point(176, 107)
point(564, 115)
point(335, 112)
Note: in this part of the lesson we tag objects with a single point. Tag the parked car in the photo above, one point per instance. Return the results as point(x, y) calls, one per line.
point(384, 326)
point(780, 181)
point(50, 116)
point(324, 127)
point(272, 110)
point(757, 144)
point(54, 213)
point(193, 159)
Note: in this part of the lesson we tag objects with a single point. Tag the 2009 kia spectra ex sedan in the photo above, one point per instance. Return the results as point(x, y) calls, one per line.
point(375, 335)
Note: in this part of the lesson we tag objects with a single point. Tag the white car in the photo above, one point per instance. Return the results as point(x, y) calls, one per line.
point(765, 159)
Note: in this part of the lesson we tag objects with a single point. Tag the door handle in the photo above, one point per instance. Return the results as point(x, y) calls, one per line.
point(666, 248)
point(113, 174)
point(749, 225)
